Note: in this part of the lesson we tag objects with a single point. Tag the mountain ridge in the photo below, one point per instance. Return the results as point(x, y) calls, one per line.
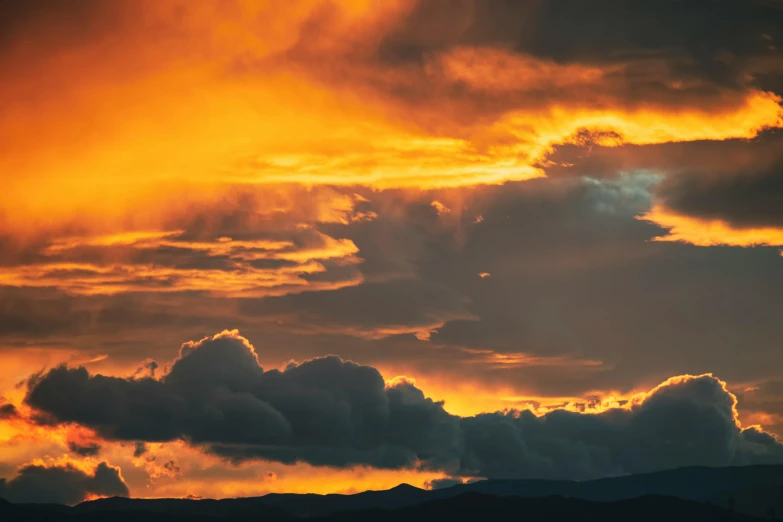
point(748, 490)
point(466, 507)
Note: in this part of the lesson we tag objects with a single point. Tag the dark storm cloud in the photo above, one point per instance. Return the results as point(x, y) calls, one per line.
point(758, 436)
point(62, 484)
point(39, 312)
point(680, 423)
point(531, 242)
point(739, 182)
point(668, 309)
point(70, 21)
point(453, 67)
point(705, 157)
point(749, 199)
point(443, 483)
point(332, 412)
point(715, 41)
point(87, 449)
point(573, 273)
point(8, 411)
point(393, 301)
point(370, 309)
point(216, 393)
point(139, 449)
point(81, 325)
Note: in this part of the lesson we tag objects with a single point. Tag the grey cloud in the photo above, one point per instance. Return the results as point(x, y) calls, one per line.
point(574, 273)
point(710, 56)
point(70, 21)
point(736, 181)
point(8, 411)
point(215, 393)
point(709, 40)
point(371, 309)
point(171, 467)
point(748, 199)
point(762, 438)
point(442, 483)
point(62, 484)
point(139, 449)
point(89, 449)
point(40, 312)
point(640, 67)
point(705, 158)
point(332, 412)
point(685, 423)
point(146, 369)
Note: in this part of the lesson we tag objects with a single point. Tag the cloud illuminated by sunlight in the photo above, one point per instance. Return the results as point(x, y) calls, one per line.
point(237, 274)
point(703, 232)
point(259, 100)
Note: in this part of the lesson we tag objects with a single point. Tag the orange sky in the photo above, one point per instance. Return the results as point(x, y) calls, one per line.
point(354, 178)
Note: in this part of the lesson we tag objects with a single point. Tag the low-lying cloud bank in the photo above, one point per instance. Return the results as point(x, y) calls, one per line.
point(62, 484)
point(332, 412)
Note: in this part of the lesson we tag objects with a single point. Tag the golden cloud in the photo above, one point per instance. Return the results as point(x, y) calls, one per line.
point(236, 276)
point(710, 232)
point(249, 94)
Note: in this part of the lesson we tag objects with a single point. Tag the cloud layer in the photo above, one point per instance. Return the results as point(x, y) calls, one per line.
point(291, 98)
point(331, 412)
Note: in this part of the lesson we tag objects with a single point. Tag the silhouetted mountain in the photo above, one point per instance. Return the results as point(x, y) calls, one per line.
point(468, 507)
point(400, 496)
point(755, 489)
point(16, 513)
point(57, 508)
point(473, 507)
point(750, 490)
point(232, 508)
point(154, 510)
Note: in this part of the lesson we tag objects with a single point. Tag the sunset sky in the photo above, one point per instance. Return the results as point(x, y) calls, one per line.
point(329, 246)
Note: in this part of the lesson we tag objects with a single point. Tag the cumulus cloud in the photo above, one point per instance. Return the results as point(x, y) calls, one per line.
point(332, 412)
point(64, 484)
point(686, 421)
point(217, 394)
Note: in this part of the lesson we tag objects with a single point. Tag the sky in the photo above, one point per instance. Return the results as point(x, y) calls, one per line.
point(330, 246)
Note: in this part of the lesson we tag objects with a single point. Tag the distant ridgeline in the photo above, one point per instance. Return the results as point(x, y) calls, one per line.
point(739, 494)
